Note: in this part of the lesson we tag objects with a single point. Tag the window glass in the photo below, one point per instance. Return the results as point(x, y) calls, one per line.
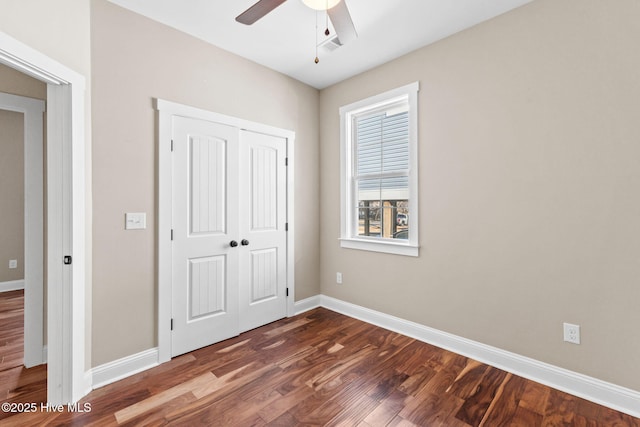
point(379, 175)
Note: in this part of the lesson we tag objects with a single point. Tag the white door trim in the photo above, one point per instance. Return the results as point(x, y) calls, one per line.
point(166, 110)
point(32, 110)
point(66, 378)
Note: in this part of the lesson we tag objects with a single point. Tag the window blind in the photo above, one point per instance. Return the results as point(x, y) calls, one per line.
point(382, 155)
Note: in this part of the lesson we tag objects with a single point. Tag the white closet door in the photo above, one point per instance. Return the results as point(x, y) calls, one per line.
point(205, 279)
point(263, 254)
point(229, 248)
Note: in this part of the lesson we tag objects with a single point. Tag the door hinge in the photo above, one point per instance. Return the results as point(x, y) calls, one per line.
point(172, 145)
point(286, 161)
point(67, 260)
point(287, 292)
point(172, 234)
point(172, 324)
point(286, 226)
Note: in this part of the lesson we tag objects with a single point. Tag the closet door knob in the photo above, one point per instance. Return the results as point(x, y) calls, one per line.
point(233, 243)
point(244, 242)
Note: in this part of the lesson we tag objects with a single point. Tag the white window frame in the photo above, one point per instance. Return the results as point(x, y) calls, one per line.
point(349, 237)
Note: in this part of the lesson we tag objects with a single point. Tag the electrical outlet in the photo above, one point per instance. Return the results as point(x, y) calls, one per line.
point(13, 263)
point(339, 278)
point(572, 333)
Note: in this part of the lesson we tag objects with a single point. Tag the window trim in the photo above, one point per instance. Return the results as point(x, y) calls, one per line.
point(348, 238)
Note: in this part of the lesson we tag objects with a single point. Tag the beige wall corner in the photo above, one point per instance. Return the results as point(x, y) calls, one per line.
point(134, 61)
point(529, 181)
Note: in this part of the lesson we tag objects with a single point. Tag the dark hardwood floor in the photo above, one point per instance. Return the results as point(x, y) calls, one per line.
point(319, 368)
point(17, 384)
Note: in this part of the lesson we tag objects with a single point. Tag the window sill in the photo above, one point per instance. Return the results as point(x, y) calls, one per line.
point(377, 246)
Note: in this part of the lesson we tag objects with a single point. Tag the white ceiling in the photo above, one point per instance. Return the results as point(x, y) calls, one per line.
point(285, 39)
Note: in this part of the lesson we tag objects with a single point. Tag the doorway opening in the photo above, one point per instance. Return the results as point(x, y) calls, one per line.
point(67, 378)
point(23, 147)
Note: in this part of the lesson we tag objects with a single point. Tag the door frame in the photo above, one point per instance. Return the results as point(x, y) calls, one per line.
point(164, 112)
point(33, 139)
point(67, 377)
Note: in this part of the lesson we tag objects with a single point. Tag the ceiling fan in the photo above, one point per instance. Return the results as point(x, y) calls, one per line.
point(336, 9)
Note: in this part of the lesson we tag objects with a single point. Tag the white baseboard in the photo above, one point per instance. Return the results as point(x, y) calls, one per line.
point(122, 368)
point(87, 382)
point(11, 285)
point(307, 304)
point(613, 396)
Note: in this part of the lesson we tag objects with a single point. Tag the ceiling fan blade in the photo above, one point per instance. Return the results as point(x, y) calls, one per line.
point(257, 11)
point(341, 20)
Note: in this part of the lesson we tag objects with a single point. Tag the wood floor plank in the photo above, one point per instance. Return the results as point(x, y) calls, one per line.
point(354, 413)
point(466, 383)
point(441, 381)
point(431, 409)
point(505, 402)
point(474, 408)
point(419, 355)
point(387, 384)
point(285, 420)
point(272, 412)
point(318, 368)
point(235, 411)
point(401, 422)
point(560, 409)
point(525, 417)
point(387, 410)
point(535, 397)
point(328, 378)
point(238, 385)
point(321, 414)
point(157, 400)
point(417, 380)
point(287, 327)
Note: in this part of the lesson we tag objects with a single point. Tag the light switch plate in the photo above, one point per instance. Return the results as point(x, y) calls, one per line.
point(135, 221)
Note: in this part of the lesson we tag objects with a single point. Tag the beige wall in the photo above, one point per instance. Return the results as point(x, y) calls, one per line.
point(134, 61)
point(529, 173)
point(529, 183)
point(11, 194)
point(12, 171)
point(17, 83)
point(58, 29)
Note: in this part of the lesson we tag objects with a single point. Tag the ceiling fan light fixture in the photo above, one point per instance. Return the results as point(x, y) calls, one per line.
point(320, 4)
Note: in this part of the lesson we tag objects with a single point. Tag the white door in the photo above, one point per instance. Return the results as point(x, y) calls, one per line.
point(205, 222)
point(263, 255)
point(229, 236)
